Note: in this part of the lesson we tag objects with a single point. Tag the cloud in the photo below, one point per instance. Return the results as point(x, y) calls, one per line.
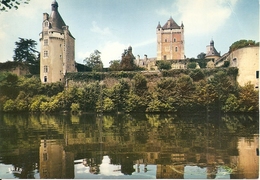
point(95, 28)
point(111, 51)
point(144, 43)
point(200, 16)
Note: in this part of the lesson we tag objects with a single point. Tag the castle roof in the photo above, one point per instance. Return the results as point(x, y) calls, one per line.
point(212, 51)
point(56, 20)
point(171, 24)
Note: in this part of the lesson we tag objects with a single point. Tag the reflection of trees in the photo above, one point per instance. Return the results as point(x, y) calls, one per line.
point(165, 137)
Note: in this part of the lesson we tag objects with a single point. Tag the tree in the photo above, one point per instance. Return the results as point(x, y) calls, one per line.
point(202, 55)
point(94, 61)
point(25, 51)
point(10, 4)
point(166, 65)
point(242, 43)
point(114, 65)
point(192, 65)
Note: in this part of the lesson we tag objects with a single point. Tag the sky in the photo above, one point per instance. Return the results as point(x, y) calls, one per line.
point(111, 26)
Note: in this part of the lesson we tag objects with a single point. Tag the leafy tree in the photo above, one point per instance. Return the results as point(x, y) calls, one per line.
point(248, 98)
point(119, 94)
point(202, 55)
point(127, 62)
point(8, 85)
point(114, 65)
point(10, 4)
point(242, 43)
point(74, 108)
point(197, 74)
point(25, 51)
point(192, 65)
point(231, 104)
point(9, 106)
point(140, 84)
point(185, 90)
point(94, 61)
point(163, 65)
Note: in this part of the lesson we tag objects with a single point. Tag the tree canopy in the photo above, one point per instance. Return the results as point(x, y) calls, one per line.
point(242, 43)
point(11, 4)
point(25, 51)
point(94, 61)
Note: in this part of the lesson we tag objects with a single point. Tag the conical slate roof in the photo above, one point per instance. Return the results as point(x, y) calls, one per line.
point(171, 24)
point(55, 18)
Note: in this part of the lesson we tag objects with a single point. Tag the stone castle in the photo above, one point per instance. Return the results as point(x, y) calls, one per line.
point(58, 51)
point(57, 47)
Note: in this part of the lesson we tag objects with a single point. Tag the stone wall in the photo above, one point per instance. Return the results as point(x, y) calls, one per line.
point(247, 61)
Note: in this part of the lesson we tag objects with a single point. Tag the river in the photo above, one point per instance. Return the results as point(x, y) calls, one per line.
point(129, 146)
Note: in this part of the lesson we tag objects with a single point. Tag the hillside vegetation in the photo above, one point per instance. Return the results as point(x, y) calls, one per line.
point(166, 91)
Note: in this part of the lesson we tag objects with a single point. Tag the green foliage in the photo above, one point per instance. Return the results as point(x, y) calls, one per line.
point(197, 75)
point(114, 65)
point(242, 43)
point(226, 63)
point(231, 104)
point(140, 84)
point(8, 85)
point(163, 65)
point(198, 89)
point(248, 98)
point(202, 55)
point(9, 106)
point(75, 108)
point(192, 65)
point(94, 61)
point(25, 51)
point(11, 4)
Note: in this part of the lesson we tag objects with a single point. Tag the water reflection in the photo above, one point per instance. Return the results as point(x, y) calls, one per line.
point(129, 146)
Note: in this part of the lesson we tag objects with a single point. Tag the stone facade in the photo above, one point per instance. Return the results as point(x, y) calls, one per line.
point(211, 52)
point(170, 41)
point(57, 47)
point(247, 61)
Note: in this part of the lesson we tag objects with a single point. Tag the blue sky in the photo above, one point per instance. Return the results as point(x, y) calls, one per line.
point(110, 26)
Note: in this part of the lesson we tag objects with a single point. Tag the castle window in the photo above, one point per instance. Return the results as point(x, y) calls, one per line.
point(176, 49)
point(46, 24)
point(45, 54)
point(164, 57)
point(45, 42)
point(174, 40)
point(45, 157)
point(45, 79)
point(257, 74)
point(45, 69)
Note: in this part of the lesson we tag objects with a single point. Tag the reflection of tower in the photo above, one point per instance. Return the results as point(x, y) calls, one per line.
point(248, 159)
point(54, 161)
point(170, 171)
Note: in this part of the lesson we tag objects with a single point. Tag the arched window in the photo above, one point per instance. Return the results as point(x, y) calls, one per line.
point(176, 49)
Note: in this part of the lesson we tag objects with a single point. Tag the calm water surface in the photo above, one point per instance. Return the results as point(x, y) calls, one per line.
point(129, 146)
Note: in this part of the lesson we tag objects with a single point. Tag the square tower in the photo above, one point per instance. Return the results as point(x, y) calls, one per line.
point(170, 41)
